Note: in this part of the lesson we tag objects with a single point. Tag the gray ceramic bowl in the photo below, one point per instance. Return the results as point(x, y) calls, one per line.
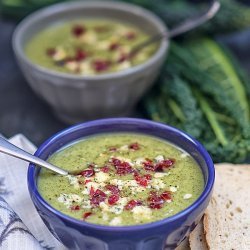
point(76, 98)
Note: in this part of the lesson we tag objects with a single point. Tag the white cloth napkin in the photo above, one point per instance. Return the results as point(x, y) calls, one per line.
point(20, 225)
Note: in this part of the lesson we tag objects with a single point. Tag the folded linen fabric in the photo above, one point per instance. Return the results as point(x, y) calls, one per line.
point(20, 225)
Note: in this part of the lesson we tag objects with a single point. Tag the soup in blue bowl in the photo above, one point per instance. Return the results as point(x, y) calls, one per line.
point(122, 195)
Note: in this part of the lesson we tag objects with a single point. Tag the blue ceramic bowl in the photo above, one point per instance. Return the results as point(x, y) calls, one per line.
point(169, 232)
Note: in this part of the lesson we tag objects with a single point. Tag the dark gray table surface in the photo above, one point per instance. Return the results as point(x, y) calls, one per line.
point(21, 111)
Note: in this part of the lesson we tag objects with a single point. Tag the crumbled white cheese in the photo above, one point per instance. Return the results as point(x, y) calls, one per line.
point(184, 155)
point(187, 196)
point(169, 212)
point(139, 161)
point(116, 221)
point(130, 183)
point(73, 180)
point(68, 199)
point(157, 184)
point(160, 175)
point(123, 201)
point(119, 206)
point(103, 45)
point(124, 148)
point(72, 66)
point(101, 177)
point(59, 54)
point(159, 158)
point(126, 183)
point(86, 68)
point(93, 184)
point(86, 204)
point(141, 213)
point(133, 186)
point(85, 191)
point(105, 216)
point(107, 192)
point(76, 198)
point(117, 182)
point(173, 189)
point(89, 37)
point(124, 65)
point(140, 189)
point(125, 49)
point(104, 206)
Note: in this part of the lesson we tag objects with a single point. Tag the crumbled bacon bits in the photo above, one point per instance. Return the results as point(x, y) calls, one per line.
point(122, 168)
point(113, 46)
point(78, 30)
point(97, 197)
point(164, 164)
point(86, 215)
point(131, 204)
point(123, 57)
point(80, 55)
point(51, 52)
point(166, 196)
point(142, 180)
point(155, 201)
point(134, 146)
point(105, 169)
point(75, 208)
point(149, 165)
point(101, 65)
point(130, 35)
point(113, 149)
point(87, 172)
point(113, 199)
point(113, 189)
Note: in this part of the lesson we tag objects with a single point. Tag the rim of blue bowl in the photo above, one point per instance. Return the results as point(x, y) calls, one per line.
point(206, 192)
point(113, 5)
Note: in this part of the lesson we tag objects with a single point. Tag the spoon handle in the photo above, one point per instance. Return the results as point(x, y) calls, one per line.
point(181, 28)
point(10, 149)
point(193, 23)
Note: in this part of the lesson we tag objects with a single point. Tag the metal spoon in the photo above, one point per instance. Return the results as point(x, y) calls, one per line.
point(10, 149)
point(183, 27)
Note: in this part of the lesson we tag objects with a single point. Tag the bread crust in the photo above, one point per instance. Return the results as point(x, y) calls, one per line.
point(197, 239)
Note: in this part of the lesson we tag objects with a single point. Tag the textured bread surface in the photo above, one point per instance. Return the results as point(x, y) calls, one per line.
point(227, 218)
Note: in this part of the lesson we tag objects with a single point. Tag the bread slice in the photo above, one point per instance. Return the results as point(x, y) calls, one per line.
point(227, 218)
point(197, 240)
point(184, 245)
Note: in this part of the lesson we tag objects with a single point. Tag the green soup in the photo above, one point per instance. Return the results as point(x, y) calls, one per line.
point(88, 47)
point(122, 179)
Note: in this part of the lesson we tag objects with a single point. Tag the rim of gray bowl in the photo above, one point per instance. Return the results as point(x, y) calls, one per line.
point(57, 8)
